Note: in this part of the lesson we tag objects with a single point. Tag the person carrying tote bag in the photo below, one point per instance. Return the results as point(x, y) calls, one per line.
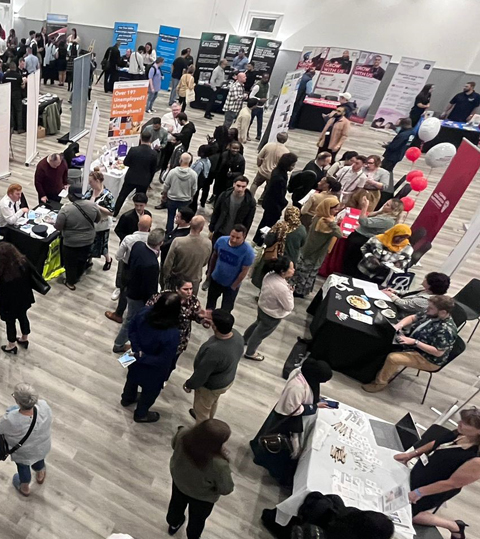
point(185, 88)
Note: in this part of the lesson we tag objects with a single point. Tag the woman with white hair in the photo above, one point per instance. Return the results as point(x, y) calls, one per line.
point(15, 425)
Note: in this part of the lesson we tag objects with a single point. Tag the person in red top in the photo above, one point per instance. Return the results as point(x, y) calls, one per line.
point(51, 178)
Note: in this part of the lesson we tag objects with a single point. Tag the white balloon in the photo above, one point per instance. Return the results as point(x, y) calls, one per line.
point(429, 129)
point(440, 155)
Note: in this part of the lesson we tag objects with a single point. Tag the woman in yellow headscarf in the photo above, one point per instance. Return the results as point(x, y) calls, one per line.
point(322, 230)
point(387, 250)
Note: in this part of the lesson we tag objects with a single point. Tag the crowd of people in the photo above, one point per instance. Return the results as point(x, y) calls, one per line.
point(292, 243)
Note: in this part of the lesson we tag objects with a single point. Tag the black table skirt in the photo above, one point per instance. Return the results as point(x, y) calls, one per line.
point(311, 117)
point(449, 134)
point(202, 97)
point(35, 250)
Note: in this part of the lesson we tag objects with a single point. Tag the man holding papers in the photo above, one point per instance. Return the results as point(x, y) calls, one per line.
point(51, 178)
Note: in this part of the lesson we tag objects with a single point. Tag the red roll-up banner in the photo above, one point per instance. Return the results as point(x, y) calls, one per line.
point(449, 190)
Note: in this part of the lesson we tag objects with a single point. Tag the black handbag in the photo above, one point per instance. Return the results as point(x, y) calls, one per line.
point(37, 282)
point(5, 451)
point(275, 443)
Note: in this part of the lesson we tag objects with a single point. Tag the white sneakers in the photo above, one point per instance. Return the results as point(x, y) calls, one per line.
point(116, 294)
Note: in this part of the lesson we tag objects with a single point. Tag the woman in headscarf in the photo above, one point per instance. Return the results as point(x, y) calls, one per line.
point(383, 252)
point(300, 398)
point(286, 237)
point(323, 229)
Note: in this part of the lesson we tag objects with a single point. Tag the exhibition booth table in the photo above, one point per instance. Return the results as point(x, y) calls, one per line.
point(39, 250)
point(43, 102)
point(113, 170)
point(453, 132)
point(311, 114)
point(203, 93)
point(350, 329)
point(340, 455)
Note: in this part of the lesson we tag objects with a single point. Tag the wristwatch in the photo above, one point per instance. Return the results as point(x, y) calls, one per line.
point(416, 342)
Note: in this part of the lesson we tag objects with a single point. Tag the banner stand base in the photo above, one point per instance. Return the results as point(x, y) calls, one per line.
point(27, 163)
point(66, 138)
point(5, 176)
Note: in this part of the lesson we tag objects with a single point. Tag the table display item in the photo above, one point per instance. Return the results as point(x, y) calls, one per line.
point(358, 302)
point(388, 313)
point(381, 304)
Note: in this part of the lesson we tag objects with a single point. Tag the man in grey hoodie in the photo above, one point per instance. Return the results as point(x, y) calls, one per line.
point(179, 188)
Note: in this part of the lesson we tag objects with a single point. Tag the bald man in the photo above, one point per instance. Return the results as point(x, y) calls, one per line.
point(188, 256)
point(123, 256)
point(234, 101)
point(179, 188)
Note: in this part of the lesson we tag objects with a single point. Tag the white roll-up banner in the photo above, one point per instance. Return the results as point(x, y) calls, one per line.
point(5, 93)
point(33, 93)
point(90, 146)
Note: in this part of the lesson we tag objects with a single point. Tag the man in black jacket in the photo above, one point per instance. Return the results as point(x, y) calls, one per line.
point(182, 229)
point(143, 274)
point(395, 150)
point(142, 165)
point(188, 130)
point(15, 78)
point(128, 222)
point(111, 61)
point(235, 206)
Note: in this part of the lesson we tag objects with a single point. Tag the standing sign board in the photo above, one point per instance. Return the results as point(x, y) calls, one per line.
point(56, 24)
point(209, 54)
point(5, 90)
point(336, 71)
point(91, 144)
point(366, 78)
point(410, 77)
point(126, 34)
point(81, 81)
point(127, 111)
point(235, 43)
point(167, 48)
point(284, 107)
point(265, 55)
point(33, 94)
point(313, 57)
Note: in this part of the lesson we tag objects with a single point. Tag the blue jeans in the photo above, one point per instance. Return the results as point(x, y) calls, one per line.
point(172, 207)
point(133, 306)
point(173, 92)
point(24, 470)
point(151, 99)
point(257, 113)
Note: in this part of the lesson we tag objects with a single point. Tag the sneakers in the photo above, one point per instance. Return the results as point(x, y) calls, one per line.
point(208, 116)
point(172, 530)
point(151, 417)
point(116, 294)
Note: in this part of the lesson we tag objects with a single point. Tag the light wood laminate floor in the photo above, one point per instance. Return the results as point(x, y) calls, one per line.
point(108, 474)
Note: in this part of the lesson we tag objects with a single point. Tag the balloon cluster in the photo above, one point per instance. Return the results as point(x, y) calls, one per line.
point(439, 155)
point(417, 180)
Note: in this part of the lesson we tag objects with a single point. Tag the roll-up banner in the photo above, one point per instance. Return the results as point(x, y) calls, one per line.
point(81, 81)
point(265, 55)
point(127, 112)
point(313, 57)
point(126, 34)
point(235, 43)
point(335, 72)
point(409, 78)
point(284, 106)
point(33, 94)
point(57, 25)
point(91, 144)
point(167, 48)
point(209, 54)
point(5, 90)
point(366, 78)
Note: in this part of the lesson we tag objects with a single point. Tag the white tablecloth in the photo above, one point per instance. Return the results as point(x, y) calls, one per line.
point(113, 178)
point(340, 456)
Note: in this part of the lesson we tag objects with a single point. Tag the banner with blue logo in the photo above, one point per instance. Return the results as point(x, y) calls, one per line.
point(126, 34)
point(167, 48)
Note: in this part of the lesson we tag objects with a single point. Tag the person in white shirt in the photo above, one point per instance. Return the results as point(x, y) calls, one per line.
point(10, 211)
point(135, 67)
point(352, 177)
point(275, 303)
point(216, 81)
point(123, 256)
point(172, 125)
point(3, 46)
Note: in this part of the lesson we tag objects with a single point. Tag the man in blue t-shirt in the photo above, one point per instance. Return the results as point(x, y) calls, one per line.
point(231, 259)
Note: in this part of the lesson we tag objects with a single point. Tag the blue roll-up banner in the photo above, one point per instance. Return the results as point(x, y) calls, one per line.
point(167, 48)
point(126, 34)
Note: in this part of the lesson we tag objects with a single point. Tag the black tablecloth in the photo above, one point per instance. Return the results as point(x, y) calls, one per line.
point(36, 250)
point(350, 347)
point(311, 117)
point(449, 134)
point(41, 107)
point(202, 97)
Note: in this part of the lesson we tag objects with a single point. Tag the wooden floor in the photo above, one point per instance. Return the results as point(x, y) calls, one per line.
point(108, 474)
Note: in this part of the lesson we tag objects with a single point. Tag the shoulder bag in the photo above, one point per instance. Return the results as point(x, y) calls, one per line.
point(37, 282)
point(5, 451)
point(275, 443)
point(92, 224)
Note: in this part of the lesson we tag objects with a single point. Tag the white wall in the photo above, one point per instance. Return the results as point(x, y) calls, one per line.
point(440, 30)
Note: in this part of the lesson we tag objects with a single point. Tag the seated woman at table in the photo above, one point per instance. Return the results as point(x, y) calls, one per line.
point(323, 229)
point(378, 178)
point(10, 210)
point(434, 284)
point(369, 225)
point(453, 462)
point(103, 198)
point(392, 248)
point(300, 397)
point(326, 187)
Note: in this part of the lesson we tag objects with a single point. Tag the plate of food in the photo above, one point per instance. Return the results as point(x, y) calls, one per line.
point(381, 304)
point(388, 313)
point(358, 302)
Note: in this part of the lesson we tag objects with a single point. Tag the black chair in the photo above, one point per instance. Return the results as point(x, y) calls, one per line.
point(400, 182)
point(386, 194)
point(459, 316)
point(419, 253)
point(417, 235)
point(458, 348)
point(469, 299)
point(404, 191)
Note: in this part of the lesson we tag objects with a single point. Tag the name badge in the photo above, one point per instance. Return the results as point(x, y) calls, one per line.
point(424, 459)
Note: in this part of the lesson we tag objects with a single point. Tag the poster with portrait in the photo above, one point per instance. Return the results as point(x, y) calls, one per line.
point(335, 72)
point(313, 57)
point(409, 78)
point(127, 111)
point(366, 78)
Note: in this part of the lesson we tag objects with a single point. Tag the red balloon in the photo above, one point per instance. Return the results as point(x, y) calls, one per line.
point(413, 153)
point(413, 174)
point(419, 184)
point(408, 203)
